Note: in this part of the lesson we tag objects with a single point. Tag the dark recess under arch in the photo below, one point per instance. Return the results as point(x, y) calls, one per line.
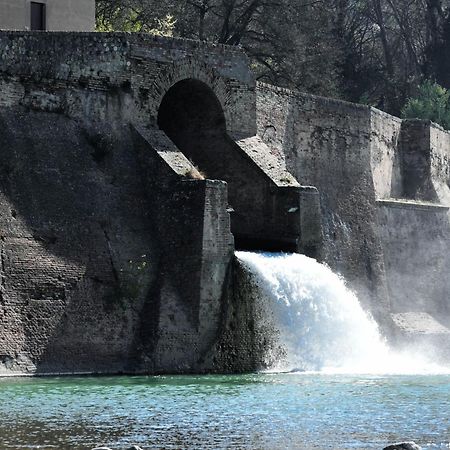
point(192, 117)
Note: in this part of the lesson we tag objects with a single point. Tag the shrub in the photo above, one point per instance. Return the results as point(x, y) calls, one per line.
point(431, 103)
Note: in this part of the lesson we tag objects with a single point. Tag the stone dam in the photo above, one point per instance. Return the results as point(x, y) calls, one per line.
point(133, 166)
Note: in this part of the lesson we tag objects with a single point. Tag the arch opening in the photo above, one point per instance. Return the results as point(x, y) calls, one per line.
point(192, 117)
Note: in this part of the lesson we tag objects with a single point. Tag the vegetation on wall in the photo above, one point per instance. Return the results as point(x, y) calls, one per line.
point(431, 103)
point(371, 51)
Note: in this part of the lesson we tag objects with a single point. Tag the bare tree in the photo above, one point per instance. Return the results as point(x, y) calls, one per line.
point(374, 51)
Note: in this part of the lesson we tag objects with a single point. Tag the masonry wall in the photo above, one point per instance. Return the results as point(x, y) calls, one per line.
point(61, 15)
point(192, 225)
point(101, 271)
point(111, 76)
point(326, 143)
point(416, 231)
point(385, 141)
point(384, 192)
point(116, 252)
point(83, 290)
point(78, 255)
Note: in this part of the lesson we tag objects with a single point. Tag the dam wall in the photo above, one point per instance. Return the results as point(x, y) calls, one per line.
point(327, 143)
point(418, 274)
point(384, 195)
point(111, 76)
point(84, 291)
point(162, 130)
point(133, 166)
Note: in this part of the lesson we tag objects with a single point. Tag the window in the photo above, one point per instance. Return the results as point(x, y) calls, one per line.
point(37, 16)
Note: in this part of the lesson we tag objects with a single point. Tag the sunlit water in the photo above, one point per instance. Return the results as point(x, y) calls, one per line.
point(322, 325)
point(265, 411)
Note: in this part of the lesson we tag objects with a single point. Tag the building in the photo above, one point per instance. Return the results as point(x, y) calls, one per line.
point(53, 15)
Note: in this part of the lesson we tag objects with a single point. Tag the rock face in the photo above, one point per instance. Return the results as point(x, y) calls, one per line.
point(403, 446)
point(117, 252)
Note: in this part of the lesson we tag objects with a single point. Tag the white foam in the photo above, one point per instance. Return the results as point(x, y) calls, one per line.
point(322, 325)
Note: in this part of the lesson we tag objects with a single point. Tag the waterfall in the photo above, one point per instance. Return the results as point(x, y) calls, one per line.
point(321, 324)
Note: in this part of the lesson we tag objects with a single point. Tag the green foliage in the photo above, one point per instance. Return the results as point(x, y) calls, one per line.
point(431, 103)
point(133, 20)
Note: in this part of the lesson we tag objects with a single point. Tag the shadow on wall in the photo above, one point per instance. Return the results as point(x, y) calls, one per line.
point(193, 118)
point(78, 254)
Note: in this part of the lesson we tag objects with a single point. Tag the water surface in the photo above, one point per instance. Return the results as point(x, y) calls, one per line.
point(262, 411)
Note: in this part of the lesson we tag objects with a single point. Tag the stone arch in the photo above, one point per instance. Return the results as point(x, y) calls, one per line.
point(191, 115)
point(190, 107)
point(194, 69)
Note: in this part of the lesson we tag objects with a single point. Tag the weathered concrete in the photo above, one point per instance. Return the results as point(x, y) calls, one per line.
point(416, 238)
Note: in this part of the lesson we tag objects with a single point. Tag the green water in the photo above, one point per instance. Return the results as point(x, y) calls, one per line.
point(265, 411)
